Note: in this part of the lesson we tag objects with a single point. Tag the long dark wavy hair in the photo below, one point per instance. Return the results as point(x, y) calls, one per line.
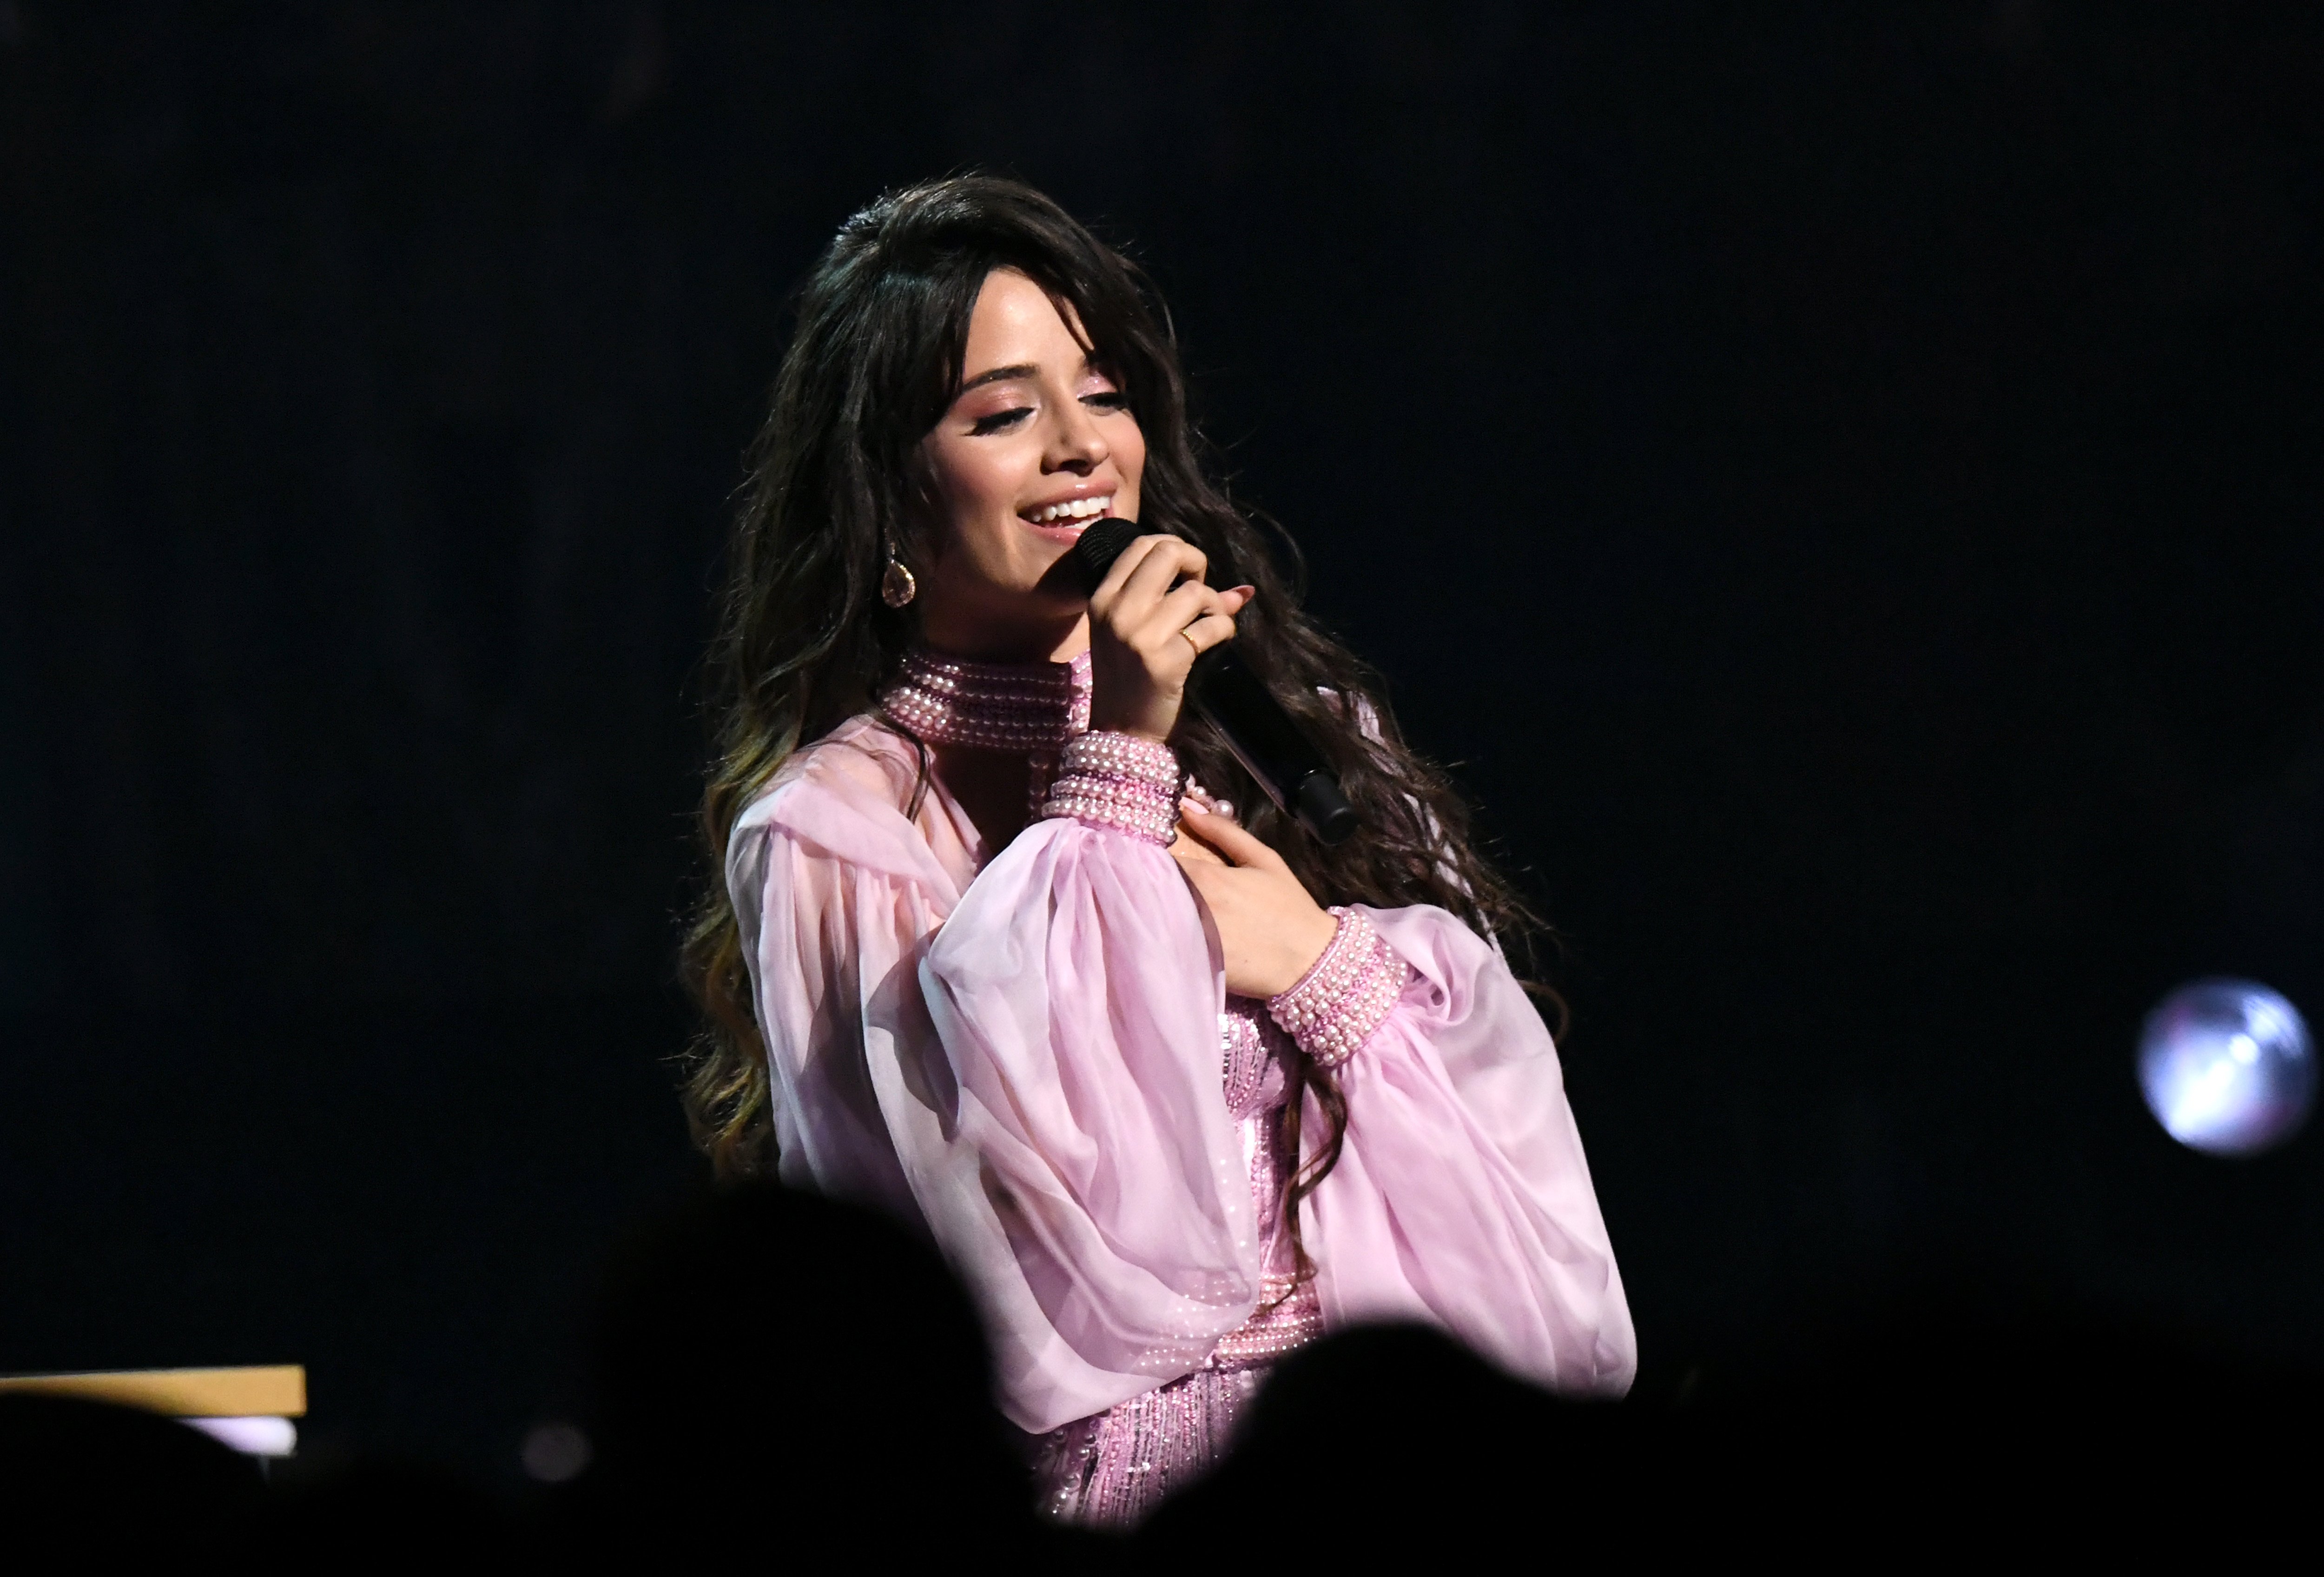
point(836, 475)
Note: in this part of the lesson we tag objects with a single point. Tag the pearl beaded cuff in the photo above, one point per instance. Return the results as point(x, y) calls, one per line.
point(1120, 780)
point(1345, 994)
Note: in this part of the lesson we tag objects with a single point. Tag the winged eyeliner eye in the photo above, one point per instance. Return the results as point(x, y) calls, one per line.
point(998, 420)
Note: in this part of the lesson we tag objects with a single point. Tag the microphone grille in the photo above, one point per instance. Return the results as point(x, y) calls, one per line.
point(1099, 545)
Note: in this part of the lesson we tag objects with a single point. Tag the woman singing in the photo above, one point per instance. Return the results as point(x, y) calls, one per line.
point(1009, 945)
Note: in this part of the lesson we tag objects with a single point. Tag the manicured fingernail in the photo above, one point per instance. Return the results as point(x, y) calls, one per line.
point(1194, 806)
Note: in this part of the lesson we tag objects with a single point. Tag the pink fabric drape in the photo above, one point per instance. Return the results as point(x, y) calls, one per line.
point(1022, 1054)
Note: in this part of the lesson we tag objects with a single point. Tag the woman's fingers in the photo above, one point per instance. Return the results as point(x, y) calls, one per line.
point(1195, 824)
point(1182, 608)
point(1191, 849)
point(1271, 930)
point(1211, 630)
point(1231, 839)
point(1146, 571)
point(1166, 561)
point(1156, 589)
point(1125, 564)
point(1151, 616)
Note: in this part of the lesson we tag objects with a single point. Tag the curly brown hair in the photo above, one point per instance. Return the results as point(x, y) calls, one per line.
point(805, 642)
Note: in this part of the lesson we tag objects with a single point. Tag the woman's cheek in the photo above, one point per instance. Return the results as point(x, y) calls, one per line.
point(972, 496)
point(1130, 458)
point(1003, 476)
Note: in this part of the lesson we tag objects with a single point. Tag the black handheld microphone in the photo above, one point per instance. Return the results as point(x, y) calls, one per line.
point(1283, 761)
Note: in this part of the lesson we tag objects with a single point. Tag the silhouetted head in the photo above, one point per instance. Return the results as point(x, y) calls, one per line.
point(1395, 1439)
point(88, 1482)
point(770, 1363)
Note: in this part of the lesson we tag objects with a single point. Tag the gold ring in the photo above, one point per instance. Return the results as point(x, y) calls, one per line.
point(1190, 640)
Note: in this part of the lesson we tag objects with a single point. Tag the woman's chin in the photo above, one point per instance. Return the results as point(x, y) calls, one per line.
point(1061, 586)
point(1064, 534)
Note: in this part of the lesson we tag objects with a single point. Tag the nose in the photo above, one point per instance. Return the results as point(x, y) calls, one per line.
point(1075, 444)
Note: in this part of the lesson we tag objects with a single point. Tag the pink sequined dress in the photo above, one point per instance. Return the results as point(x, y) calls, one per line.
point(1030, 1054)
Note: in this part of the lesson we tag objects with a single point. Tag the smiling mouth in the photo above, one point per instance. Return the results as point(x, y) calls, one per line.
point(1073, 512)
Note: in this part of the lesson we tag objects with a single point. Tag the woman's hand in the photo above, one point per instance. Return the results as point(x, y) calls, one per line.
point(1269, 930)
point(1144, 636)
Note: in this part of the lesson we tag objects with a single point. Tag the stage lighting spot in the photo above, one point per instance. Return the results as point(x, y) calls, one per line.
point(267, 1437)
point(2227, 1067)
point(554, 1454)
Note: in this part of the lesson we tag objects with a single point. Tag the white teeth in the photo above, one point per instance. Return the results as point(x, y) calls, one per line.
point(1072, 509)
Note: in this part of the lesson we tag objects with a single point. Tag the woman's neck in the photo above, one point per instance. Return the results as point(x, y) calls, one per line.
point(987, 639)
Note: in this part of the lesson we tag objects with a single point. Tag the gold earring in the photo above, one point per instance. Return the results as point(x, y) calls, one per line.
point(897, 587)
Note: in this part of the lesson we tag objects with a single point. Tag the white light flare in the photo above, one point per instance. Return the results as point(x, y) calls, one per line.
point(2227, 1067)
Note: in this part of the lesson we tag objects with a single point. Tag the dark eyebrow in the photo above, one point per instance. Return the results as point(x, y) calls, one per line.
point(1021, 370)
point(998, 375)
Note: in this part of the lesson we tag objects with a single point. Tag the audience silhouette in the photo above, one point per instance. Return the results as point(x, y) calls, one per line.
point(777, 1374)
point(83, 1484)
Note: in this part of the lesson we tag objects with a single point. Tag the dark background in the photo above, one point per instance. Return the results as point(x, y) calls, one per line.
point(1843, 483)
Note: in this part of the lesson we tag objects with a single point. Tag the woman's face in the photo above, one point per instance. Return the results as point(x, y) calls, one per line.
point(1038, 445)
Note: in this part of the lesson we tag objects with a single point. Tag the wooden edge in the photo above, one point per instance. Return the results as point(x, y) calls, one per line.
point(271, 1391)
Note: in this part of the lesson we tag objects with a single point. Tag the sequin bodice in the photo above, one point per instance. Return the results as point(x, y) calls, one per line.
point(1256, 1071)
point(1110, 1470)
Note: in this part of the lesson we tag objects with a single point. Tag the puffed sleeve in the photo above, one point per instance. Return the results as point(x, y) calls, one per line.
point(1029, 1069)
point(1093, 1163)
point(1461, 1198)
point(831, 934)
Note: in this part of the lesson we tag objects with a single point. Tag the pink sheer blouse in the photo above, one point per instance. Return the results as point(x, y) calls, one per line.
point(1030, 1052)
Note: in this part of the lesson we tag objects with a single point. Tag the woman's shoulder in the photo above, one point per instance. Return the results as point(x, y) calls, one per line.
point(861, 766)
point(847, 796)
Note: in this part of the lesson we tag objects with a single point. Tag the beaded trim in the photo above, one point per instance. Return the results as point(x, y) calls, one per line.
point(1121, 781)
point(1032, 708)
point(1345, 994)
point(1290, 1315)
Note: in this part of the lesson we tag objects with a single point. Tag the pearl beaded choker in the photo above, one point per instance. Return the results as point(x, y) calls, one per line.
point(1029, 707)
point(1041, 710)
